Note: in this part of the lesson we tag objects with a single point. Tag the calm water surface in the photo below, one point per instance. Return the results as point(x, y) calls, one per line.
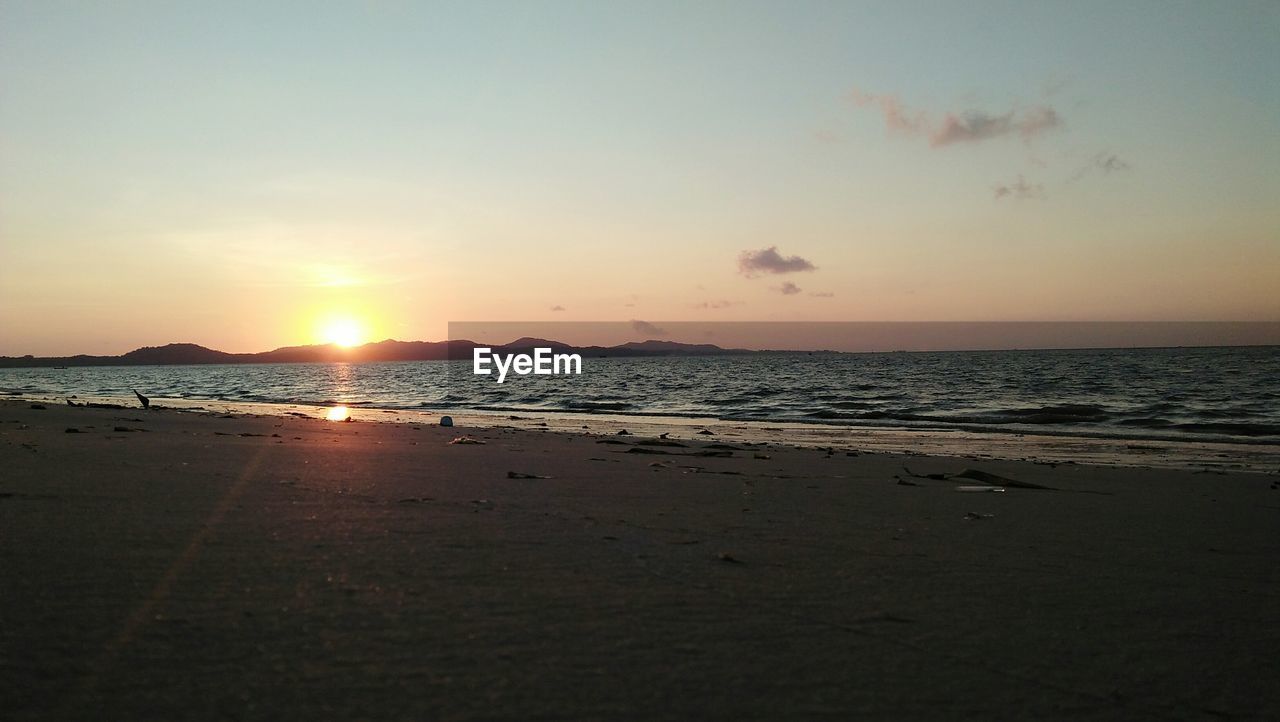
point(1195, 394)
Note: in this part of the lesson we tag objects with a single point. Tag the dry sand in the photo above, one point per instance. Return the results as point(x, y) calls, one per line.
point(173, 565)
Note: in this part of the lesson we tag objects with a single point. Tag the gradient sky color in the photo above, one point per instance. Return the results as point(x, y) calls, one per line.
point(241, 174)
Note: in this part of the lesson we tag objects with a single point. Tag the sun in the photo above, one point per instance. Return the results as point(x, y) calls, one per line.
point(345, 332)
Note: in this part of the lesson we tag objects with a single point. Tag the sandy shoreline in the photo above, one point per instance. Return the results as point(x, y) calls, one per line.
point(188, 566)
point(1199, 455)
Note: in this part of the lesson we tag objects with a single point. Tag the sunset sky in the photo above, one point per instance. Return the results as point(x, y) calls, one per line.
point(253, 175)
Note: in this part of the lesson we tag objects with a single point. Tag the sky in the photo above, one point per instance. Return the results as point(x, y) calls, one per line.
point(253, 175)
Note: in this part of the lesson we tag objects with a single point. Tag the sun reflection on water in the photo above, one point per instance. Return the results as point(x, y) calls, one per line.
point(338, 413)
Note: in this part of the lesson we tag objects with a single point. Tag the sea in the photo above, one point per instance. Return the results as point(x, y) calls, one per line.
point(1170, 394)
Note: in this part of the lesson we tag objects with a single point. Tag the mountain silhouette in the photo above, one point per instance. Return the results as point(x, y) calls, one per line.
point(175, 354)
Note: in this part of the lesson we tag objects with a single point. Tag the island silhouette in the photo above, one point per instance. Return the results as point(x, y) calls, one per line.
point(177, 354)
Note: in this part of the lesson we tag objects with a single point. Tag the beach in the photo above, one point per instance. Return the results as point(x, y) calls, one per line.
point(180, 565)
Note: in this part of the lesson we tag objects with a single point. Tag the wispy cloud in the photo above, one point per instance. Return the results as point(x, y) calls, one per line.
point(788, 289)
point(557, 307)
point(717, 304)
point(897, 117)
point(970, 126)
point(768, 260)
point(975, 125)
point(1020, 190)
point(822, 294)
point(1109, 163)
point(1104, 163)
point(646, 327)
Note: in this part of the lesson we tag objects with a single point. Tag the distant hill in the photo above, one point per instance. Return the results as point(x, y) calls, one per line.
point(389, 350)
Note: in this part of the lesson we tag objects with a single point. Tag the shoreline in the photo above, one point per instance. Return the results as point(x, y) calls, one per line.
point(161, 564)
point(1204, 456)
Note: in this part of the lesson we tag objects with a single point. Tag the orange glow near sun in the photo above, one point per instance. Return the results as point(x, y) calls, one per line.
point(345, 332)
point(338, 413)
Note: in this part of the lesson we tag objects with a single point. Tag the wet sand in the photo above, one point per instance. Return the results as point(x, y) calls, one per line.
point(188, 566)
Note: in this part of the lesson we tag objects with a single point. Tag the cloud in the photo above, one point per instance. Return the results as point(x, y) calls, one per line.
point(768, 260)
point(557, 308)
point(717, 304)
point(1019, 189)
point(1109, 163)
point(896, 115)
point(970, 126)
point(975, 125)
point(822, 294)
point(646, 327)
point(1104, 163)
point(788, 289)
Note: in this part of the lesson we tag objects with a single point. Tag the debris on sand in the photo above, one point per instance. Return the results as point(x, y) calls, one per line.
point(623, 432)
point(466, 440)
point(727, 558)
point(73, 430)
point(996, 480)
point(704, 432)
point(38, 407)
point(446, 421)
point(983, 477)
point(975, 516)
point(521, 475)
point(659, 442)
point(934, 477)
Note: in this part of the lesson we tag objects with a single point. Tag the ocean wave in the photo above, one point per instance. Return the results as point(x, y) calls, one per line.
point(1135, 394)
point(1236, 429)
point(596, 406)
